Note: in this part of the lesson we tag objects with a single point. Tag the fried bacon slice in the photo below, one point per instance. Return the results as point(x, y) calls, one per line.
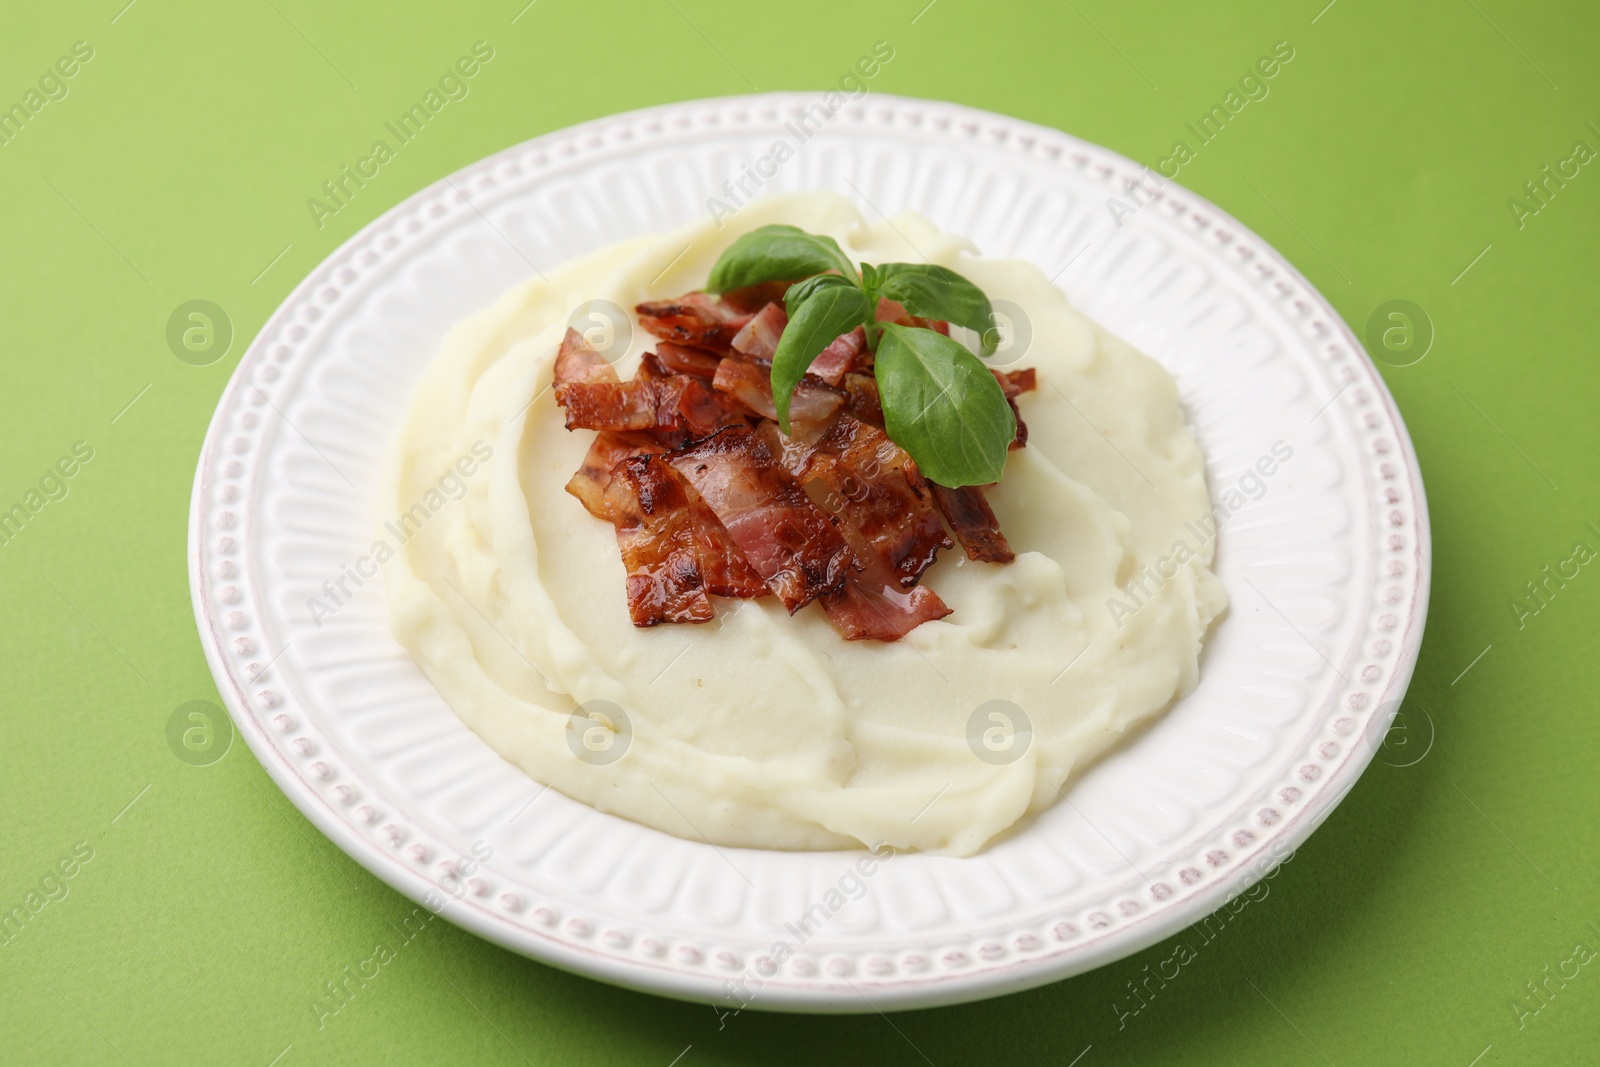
point(1014, 384)
point(847, 353)
point(751, 385)
point(592, 394)
point(758, 340)
point(655, 531)
point(577, 361)
point(671, 407)
point(697, 319)
point(678, 359)
point(675, 550)
point(791, 543)
point(869, 607)
point(605, 452)
point(875, 602)
point(622, 406)
point(886, 516)
point(878, 491)
point(972, 520)
point(703, 411)
point(753, 298)
point(861, 398)
point(724, 568)
point(708, 498)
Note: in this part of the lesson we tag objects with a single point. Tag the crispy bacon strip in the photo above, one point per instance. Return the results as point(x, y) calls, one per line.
point(892, 535)
point(874, 602)
point(869, 608)
point(677, 359)
point(751, 385)
point(879, 492)
point(655, 531)
point(1014, 384)
point(759, 338)
point(753, 298)
point(621, 406)
point(861, 398)
point(727, 514)
point(593, 396)
point(844, 355)
point(697, 319)
point(972, 520)
point(1021, 440)
point(702, 320)
point(703, 411)
point(686, 405)
point(724, 568)
point(578, 361)
point(605, 452)
point(670, 408)
point(791, 543)
point(651, 370)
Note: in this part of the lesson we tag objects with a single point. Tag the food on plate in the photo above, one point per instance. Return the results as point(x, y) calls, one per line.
point(764, 557)
point(734, 464)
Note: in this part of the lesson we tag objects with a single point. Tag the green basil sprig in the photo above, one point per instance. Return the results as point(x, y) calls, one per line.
point(827, 312)
point(940, 403)
point(931, 292)
point(776, 254)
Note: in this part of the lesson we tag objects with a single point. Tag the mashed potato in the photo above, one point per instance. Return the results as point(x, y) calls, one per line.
point(765, 730)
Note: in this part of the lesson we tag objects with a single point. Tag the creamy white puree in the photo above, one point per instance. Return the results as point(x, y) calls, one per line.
point(765, 730)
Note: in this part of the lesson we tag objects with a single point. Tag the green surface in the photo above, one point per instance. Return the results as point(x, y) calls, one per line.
point(211, 914)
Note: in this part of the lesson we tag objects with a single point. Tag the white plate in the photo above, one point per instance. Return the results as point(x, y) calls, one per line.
point(1327, 573)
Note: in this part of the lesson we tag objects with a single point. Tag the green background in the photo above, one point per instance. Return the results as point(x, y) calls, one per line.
point(178, 167)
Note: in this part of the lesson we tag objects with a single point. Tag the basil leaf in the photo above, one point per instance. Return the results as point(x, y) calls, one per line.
point(800, 292)
point(827, 312)
point(777, 254)
point(941, 404)
point(931, 292)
